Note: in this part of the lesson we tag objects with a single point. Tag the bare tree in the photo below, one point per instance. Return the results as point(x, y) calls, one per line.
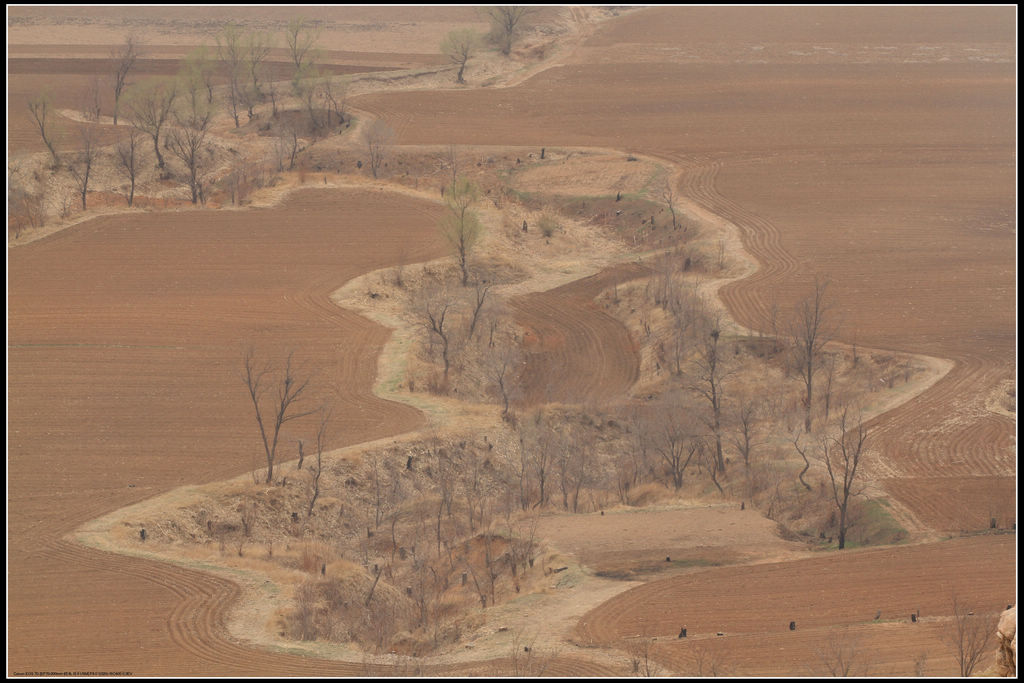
point(83, 160)
point(460, 225)
point(128, 159)
point(334, 95)
point(668, 195)
point(437, 305)
point(150, 105)
point(480, 292)
point(39, 107)
point(448, 161)
point(307, 90)
point(842, 655)
point(830, 362)
point(274, 401)
point(379, 137)
point(286, 143)
point(710, 372)
point(538, 441)
point(258, 45)
point(124, 59)
point(639, 650)
point(969, 635)
point(506, 24)
point(199, 66)
point(676, 442)
point(272, 92)
point(503, 365)
point(842, 455)
point(91, 101)
point(321, 442)
point(187, 140)
point(459, 46)
point(811, 328)
point(802, 450)
point(24, 209)
point(300, 36)
point(231, 53)
point(745, 435)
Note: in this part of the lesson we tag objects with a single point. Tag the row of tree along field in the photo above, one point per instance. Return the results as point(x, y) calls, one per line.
point(236, 76)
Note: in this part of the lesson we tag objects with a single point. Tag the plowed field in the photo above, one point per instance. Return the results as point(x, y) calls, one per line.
point(820, 595)
point(884, 162)
point(876, 145)
point(577, 353)
point(125, 340)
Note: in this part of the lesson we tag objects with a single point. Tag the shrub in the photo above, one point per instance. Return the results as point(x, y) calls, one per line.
point(548, 226)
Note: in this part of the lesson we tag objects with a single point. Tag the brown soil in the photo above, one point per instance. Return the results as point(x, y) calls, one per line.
point(875, 145)
point(575, 352)
point(820, 595)
point(125, 363)
point(906, 161)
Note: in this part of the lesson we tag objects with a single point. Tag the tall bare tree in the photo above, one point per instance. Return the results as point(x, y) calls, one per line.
point(811, 328)
point(841, 654)
point(91, 101)
point(745, 431)
point(677, 442)
point(231, 52)
point(710, 372)
point(803, 450)
point(507, 23)
point(334, 94)
point(187, 140)
point(124, 58)
point(448, 163)
point(459, 46)
point(128, 160)
point(150, 105)
point(969, 635)
point(84, 160)
point(199, 65)
point(379, 137)
point(318, 468)
point(842, 454)
point(668, 195)
point(286, 143)
point(258, 45)
point(275, 402)
point(300, 36)
point(460, 225)
point(40, 108)
point(503, 363)
point(480, 292)
point(437, 306)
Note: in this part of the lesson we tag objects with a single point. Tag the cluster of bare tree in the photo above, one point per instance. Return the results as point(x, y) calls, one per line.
point(439, 541)
point(175, 113)
point(507, 23)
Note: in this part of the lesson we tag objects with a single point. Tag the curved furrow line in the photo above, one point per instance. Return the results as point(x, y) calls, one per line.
point(947, 430)
point(760, 237)
point(202, 599)
point(947, 434)
point(579, 353)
